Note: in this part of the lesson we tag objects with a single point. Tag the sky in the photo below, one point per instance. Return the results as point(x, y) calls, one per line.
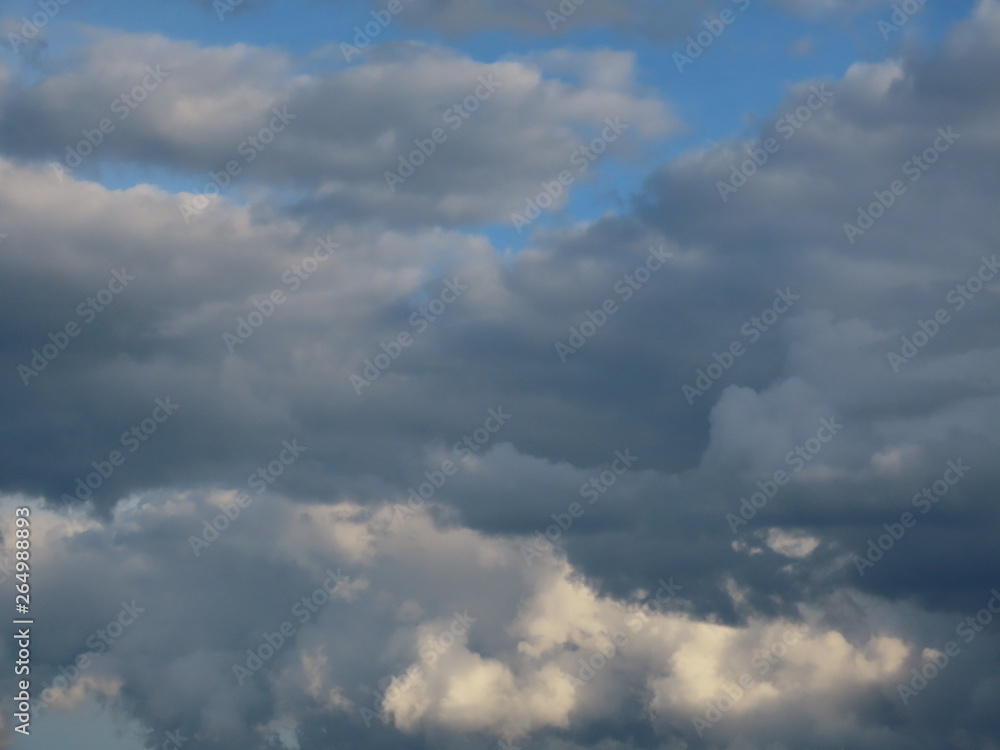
point(495, 374)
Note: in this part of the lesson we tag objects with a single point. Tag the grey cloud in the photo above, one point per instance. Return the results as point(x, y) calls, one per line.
point(825, 358)
point(339, 135)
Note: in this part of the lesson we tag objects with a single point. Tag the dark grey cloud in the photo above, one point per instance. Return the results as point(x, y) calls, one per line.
point(769, 267)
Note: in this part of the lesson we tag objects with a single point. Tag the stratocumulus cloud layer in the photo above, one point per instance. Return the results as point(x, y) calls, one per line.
point(511, 379)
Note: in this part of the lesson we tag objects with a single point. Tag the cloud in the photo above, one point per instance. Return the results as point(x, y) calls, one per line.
point(485, 644)
point(749, 446)
point(400, 136)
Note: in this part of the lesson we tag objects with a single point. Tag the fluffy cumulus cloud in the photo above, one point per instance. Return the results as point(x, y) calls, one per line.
point(424, 136)
point(372, 617)
point(315, 459)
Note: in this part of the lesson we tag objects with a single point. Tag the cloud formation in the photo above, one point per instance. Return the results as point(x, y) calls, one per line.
point(724, 514)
